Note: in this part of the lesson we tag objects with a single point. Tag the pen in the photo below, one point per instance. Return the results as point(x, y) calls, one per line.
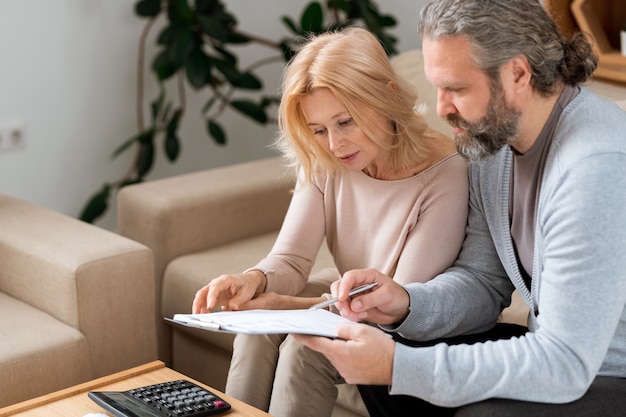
point(352, 292)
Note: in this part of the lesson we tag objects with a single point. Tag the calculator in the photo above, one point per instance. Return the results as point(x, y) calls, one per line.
point(181, 398)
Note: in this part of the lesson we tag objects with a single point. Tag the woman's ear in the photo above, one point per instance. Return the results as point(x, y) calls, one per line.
point(392, 85)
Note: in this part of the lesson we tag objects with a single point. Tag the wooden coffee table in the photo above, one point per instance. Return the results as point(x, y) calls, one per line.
point(73, 401)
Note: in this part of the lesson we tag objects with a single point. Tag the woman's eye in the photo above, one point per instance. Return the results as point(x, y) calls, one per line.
point(345, 122)
point(318, 132)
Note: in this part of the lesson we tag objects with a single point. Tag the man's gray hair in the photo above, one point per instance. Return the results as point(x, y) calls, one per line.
point(499, 30)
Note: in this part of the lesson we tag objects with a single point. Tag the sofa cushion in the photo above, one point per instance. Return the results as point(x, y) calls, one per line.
point(40, 349)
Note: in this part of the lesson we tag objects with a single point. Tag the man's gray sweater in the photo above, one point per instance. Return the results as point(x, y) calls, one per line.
point(578, 295)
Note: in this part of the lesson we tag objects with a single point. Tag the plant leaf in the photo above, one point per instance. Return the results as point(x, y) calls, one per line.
point(172, 143)
point(148, 8)
point(97, 205)
point(179, 11)
point(157, 104)
point(227, 56)
point(250, 109)
point(248, 81)
point(291, 25)
point(165, 114)
point(267, 101)
point(312, 19)
point(166, 35)
point(172, 146)
point(216, 9)
point(146, 136)
point(238, 38)
point(205, 6)
point(213, 27)
point(387, 21)
point(288, 51)
point(172, 126)
point(198, 68)
point(146, 159)
point(181, 45)
point(127, 144)
point(210, 102)
point(228, 69)
point(163, 66)
point(216, 132)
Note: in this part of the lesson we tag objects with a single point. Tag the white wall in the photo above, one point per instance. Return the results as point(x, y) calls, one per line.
point(67, 70)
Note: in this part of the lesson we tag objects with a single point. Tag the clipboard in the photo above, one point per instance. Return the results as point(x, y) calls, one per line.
point(318, 322)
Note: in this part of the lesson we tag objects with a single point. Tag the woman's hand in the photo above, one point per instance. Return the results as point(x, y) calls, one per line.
point(229, 291)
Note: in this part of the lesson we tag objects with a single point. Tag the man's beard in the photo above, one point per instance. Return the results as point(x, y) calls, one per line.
point(489, 134)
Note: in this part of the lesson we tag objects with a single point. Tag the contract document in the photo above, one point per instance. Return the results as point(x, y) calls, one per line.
point(318, 322)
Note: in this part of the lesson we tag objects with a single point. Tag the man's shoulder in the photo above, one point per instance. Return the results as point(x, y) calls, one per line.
point(590, 112)
point(590, 125)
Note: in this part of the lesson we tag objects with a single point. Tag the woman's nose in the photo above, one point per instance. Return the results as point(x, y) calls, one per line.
point(335, 140)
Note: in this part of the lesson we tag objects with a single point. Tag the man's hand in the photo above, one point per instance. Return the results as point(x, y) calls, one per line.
point(387, 303)
point(363, 354)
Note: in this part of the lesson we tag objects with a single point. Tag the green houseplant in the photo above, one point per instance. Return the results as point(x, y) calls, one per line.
point(195, 51)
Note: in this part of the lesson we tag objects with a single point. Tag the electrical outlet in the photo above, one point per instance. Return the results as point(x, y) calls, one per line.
point(12, 136)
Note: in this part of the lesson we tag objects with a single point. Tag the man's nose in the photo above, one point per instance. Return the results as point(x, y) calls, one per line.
point(444, 104)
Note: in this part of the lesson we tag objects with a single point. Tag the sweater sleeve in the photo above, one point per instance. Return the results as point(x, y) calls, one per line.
point(291, 259)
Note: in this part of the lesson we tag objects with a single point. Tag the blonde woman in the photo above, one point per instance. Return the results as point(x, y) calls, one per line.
point(381, 188)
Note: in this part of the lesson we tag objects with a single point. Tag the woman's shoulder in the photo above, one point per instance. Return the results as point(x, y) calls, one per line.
point(451, 166)
point(443, 154)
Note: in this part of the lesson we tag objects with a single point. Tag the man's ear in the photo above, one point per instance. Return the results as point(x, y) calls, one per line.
point(519, 71)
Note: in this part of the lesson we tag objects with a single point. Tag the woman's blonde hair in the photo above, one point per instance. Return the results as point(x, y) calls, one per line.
point(353, 65)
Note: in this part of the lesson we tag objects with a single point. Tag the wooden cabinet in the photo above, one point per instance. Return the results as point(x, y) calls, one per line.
point(602, 21)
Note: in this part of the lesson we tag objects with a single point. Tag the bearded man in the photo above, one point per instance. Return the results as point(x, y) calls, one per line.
point(547, 197)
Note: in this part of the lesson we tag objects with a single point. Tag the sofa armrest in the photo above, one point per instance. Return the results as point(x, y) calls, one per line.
point(89, 278)
point(193, 212)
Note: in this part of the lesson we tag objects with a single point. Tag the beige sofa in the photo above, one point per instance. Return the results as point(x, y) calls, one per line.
point(73, 302)
point(217, 221)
